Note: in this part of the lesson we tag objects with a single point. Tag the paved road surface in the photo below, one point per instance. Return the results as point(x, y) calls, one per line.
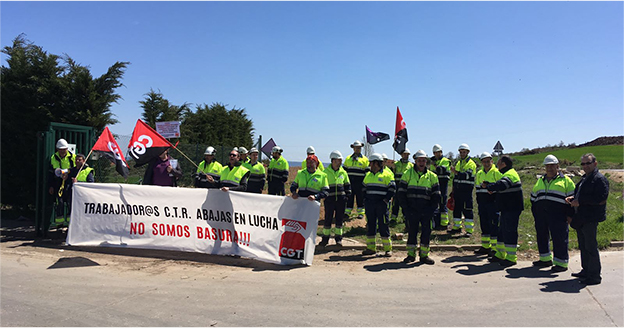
point(43, 284)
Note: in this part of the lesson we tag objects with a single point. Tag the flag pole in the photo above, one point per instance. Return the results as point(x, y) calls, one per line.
point(183, 154)
point(85, 162)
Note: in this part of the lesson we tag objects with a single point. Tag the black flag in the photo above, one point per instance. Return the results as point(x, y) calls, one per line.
point(375, 137)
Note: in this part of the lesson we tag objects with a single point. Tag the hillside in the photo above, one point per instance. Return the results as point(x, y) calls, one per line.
point(603, 141)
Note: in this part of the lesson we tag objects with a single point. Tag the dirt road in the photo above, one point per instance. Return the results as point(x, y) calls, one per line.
point(47, 284)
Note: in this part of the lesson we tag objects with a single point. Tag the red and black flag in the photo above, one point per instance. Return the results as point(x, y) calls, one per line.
point(146, 144)
point(108, 147)
point(400, 134)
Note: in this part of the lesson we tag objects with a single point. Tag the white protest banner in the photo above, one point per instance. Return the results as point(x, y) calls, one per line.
point(274, 229)
point(168, 129)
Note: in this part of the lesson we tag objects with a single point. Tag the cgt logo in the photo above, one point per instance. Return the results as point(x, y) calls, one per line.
point(113, 148)
point(140, 146)
point(291, 253)
point(292, 245)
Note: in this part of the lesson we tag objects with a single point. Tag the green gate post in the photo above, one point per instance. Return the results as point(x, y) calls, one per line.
point(84, 138)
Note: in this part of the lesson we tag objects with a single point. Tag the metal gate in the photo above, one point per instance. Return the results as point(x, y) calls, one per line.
point(84, 139)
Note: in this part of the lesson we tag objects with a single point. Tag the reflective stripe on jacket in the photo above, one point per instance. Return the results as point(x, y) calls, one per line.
point(378, 186)
point(490, 176)
point(419, 189)
point(310, 184)
point(278, 170)
point(339, 183)
point(356, 166)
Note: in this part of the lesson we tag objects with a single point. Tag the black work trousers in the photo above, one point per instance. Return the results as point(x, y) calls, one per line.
point(377, 215)
point(590, 257)
point(334, 211)
point(419, 217)
point(553, 225)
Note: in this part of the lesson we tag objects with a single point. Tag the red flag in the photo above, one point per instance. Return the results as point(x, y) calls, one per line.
point(400, 133)
point(146, 144)
point(108, 147)
point(400, 124)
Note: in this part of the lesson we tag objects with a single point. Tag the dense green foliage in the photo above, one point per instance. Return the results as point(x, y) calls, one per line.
point(158, 109)
point(216, 125)
point(39, 88)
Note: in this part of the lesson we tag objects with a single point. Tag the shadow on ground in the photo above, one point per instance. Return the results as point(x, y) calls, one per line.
point(24, 230)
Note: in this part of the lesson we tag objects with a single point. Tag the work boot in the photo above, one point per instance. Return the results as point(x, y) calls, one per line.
point(494, 259)
point(324, 241)
point(482, 250)
point(591, 281)
point(360, 216)
point(409, 259)
point(387, 254)
point(339, 243)
point(426, 260)
point(454, 231)
point(542, 264)
point(506, 263)
point(369, 252)
point(558, 268)
point(492, 253)
point(467, 235)
point(580, 274)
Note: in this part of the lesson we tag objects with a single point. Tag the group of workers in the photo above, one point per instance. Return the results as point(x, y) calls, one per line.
point(379, 188)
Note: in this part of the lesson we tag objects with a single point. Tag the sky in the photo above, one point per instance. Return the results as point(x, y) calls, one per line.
point(527, 74)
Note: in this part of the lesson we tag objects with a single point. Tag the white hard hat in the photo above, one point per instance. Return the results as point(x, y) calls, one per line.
point(406, 151)
point(375, 157)
point(62, 144)
point(210, 151)
point(357, 143)
point(551, 159)
point(235, 149)
point(253, 150)
point(335, 155)
point(242, 150)
point(277, 149)
point(384, 156)
point(420, 154)
point(464, 146)
point(485, 154)
point(436, 148)
point(310, 150)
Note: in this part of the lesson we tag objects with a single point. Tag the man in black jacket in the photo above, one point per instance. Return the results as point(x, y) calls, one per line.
point(590, 204)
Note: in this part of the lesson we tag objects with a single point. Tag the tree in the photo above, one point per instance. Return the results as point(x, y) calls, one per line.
point(38, 88)
point(158, 109)
point(216, 125)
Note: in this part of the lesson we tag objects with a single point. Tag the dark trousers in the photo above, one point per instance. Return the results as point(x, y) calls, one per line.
point(334, 210)
point(508, 230)
point(590, 258)
point(276, 188)
point(463, 204)
point(488, 219)
point(419, 218)
point(443, 199)
point(553, 225)
point(255, 187)
point(377, 214)
point(357, 194)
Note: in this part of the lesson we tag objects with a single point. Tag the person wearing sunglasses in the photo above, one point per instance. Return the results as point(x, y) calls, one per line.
point(234, 176)
point(590, 206)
